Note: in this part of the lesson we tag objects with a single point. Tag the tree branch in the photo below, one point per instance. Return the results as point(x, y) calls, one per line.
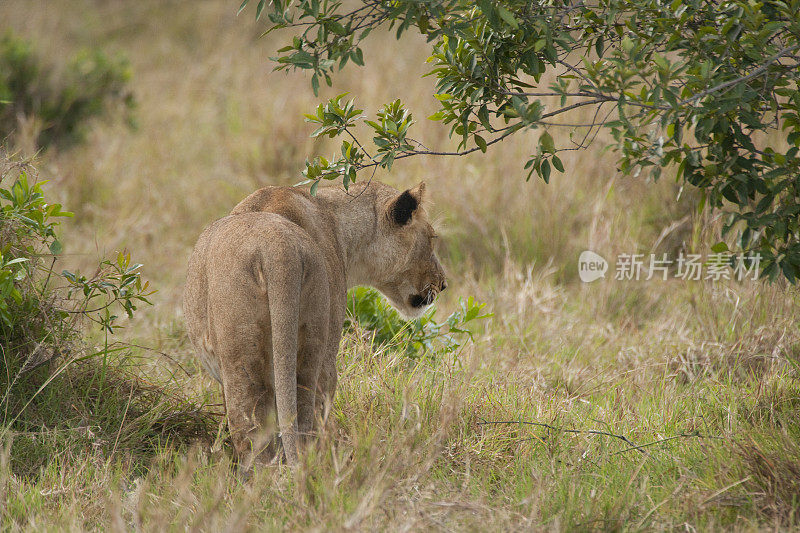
point(755, 73)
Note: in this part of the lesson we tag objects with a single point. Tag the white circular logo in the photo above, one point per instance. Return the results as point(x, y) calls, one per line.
point(591, 266)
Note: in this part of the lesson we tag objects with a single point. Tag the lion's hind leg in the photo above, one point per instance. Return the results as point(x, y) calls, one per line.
point(313, 336)
point(250, 406)
point(239, 322)
point(313, 340)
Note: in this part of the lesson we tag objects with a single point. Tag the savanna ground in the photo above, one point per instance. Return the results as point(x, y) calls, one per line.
point(613, 405)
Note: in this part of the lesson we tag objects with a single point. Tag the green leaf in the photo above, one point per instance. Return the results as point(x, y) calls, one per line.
point(557, 163)
point(627, 44)
point(660, 61)
point(547, 144)
point(719, 247)
point(336, 28)
point(55, 247)
point(480, 142)
point(358, 57)
point(315, 84)
point(598, 46)
point(508, 16)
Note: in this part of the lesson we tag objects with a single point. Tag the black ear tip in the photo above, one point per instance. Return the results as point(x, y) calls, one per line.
point(403, 208)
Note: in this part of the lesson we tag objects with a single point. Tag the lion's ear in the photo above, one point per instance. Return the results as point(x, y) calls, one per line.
point(402, 208)
point(418, 192)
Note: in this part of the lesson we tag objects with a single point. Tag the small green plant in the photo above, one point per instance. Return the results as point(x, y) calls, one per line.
point(423, 335)
point(41, 310)
point(90, 84)
point(28, 285)
point(114, 282)
point(59, 392)
point(29, 317)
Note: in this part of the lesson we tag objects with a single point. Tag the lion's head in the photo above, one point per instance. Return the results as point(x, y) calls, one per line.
point(405, 267)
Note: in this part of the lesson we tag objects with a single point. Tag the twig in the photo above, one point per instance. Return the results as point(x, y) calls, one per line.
point(639, 448)
point(755, 73)
point(464, 152)
point(623, 438)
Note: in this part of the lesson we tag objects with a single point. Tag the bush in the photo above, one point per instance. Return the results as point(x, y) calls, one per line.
point(90, 84)
point(39, 308)
point(58, 391)
point(424, 335)
point(29, 317)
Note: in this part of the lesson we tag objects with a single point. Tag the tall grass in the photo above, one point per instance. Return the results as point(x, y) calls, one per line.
point(614, 405)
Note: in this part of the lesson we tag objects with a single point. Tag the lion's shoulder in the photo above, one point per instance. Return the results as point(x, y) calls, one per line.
point(274, 200)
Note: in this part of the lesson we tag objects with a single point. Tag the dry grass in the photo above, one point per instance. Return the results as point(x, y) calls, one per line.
point(713, 365)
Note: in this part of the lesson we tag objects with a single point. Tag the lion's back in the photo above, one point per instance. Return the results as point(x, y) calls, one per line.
point(226, 288)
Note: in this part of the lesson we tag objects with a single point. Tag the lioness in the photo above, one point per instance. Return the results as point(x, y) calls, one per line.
point(266, 290)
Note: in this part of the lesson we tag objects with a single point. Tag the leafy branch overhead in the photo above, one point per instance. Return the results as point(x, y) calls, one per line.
point(705, 89)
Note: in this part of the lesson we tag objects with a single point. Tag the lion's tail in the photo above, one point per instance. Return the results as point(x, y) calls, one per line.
point(283, 289)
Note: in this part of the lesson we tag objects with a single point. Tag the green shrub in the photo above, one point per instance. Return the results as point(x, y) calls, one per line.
point(52, 381)
point(91, 83)
point(39, 308)
point(424, 335)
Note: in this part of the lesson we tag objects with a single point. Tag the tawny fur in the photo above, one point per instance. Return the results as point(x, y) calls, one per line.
point(265, 297)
